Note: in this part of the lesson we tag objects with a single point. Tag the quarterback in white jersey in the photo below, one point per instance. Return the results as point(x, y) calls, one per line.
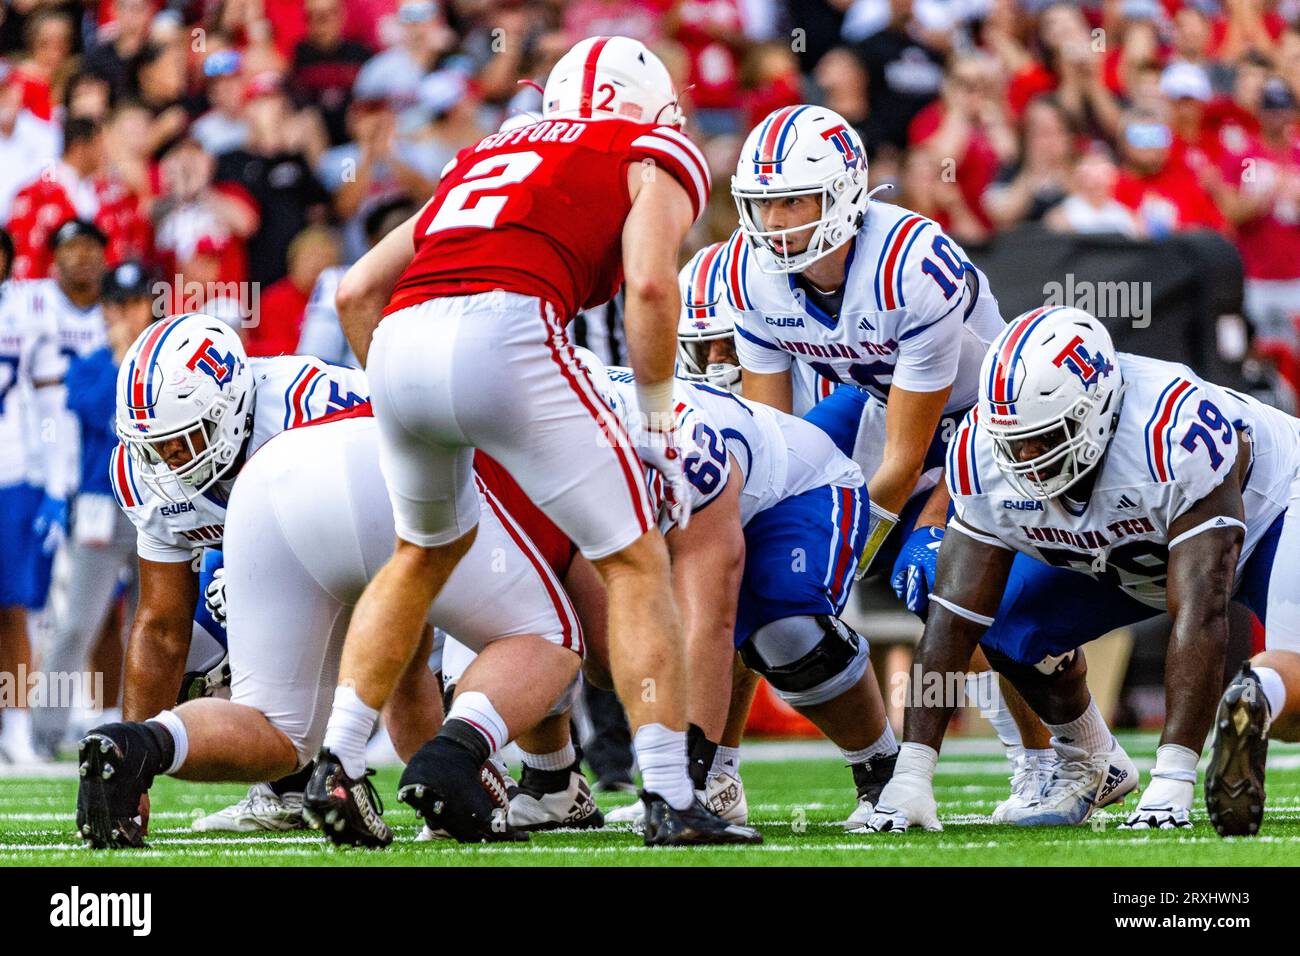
point(1094, 489)
point(864, 293)
point(765, 485)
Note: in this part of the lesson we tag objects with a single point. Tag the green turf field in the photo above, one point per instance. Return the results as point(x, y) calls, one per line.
point(796, 792)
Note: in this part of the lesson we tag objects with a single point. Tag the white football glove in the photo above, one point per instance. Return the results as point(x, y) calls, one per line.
point(908, 798)
point(215, 596)
point(1165, 805)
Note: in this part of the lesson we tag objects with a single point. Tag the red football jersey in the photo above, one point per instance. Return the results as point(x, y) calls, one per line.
point(539, 210)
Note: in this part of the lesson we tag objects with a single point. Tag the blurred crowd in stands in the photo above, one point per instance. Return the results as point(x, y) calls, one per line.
point(265, 143)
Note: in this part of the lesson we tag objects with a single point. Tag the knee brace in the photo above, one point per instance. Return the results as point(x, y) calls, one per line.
point(808, 660)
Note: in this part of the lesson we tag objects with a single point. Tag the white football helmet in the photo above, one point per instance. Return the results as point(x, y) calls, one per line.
point(1050, 380)
point(611, 78)
point(703, 323)
point(801, 151)
point(187, 378)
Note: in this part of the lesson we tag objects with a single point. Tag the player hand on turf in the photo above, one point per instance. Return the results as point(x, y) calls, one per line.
point(215, 596)
point(914, 570)
point(1165, 805)
point(51, 523)
point(908, 798)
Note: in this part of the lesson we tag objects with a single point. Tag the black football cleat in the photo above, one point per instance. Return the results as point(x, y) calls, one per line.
point(112, 781)
point(1234, 780)
point(444, 784)
point(694, 826)
point(870, 777)
point(348, 809)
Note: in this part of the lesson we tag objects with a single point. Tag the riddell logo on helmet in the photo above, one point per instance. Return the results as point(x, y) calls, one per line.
point(994, 420)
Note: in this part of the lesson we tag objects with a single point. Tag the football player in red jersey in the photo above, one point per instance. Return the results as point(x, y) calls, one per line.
point(527, 227)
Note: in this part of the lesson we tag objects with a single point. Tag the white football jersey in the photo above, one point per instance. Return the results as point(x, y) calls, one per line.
point(1173, 445)
point(915, 312)
point(778, 455)
point(29, 353)
point(289, 391)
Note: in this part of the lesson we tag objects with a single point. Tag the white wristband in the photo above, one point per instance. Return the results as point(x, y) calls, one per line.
point(655, 402)
point(917, 759)
point(1176, 762)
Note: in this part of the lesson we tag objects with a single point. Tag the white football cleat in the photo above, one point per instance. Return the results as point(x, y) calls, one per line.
point(1028, 779)
point(1081, 783)
point(724, 794)
point(570, 808)
point(263, 809)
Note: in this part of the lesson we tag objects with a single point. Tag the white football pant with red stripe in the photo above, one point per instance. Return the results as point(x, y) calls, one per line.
point(308, 525)
point(496, 371)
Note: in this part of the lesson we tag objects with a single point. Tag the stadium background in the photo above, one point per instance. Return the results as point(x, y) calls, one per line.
point(1144, 149)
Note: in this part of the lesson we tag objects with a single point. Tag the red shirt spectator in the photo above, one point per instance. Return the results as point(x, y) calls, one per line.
point(1270, 242)
point(709, 31)
point(282, 308)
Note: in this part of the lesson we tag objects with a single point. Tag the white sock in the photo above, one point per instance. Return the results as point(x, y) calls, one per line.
point(180, 738)
point(726, 760)
point(661, 755)
point(985, 691)
point(1087, 731)
point(883, 746)
point(561, 759)
point(1274, 688)
point(475, 709)
point(1041, 755)
point(348, 731)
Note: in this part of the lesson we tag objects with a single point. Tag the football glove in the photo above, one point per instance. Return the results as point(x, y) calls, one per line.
point(879, 523)
point(908, 798)
point(1165, 805)
point(215, 596)
point(51, 523)
point(914, 570)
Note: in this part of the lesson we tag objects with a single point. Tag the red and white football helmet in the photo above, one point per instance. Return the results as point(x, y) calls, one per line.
point(185, 377)
point(1051, 379)
point(801, 151)
point(703, 323)
point(611, 78)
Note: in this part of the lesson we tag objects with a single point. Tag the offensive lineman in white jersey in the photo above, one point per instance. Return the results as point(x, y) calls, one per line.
point(766, 486)
point(1135, 486)
point(308, 525)
point(173, 473)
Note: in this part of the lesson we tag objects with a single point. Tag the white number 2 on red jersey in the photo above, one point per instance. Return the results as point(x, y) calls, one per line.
point(464, 206)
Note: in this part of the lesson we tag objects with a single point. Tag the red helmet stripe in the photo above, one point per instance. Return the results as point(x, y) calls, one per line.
point(589, 76)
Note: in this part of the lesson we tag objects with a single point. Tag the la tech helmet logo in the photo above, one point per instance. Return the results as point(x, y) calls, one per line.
point(1089, 368)
point(838, 136)
point(207, 359)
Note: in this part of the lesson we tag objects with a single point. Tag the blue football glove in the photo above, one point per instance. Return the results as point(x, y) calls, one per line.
point(51, 523)
point(914, 570)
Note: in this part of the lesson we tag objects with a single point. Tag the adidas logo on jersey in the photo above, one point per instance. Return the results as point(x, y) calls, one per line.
point(1125, 502)
point(865, 326)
